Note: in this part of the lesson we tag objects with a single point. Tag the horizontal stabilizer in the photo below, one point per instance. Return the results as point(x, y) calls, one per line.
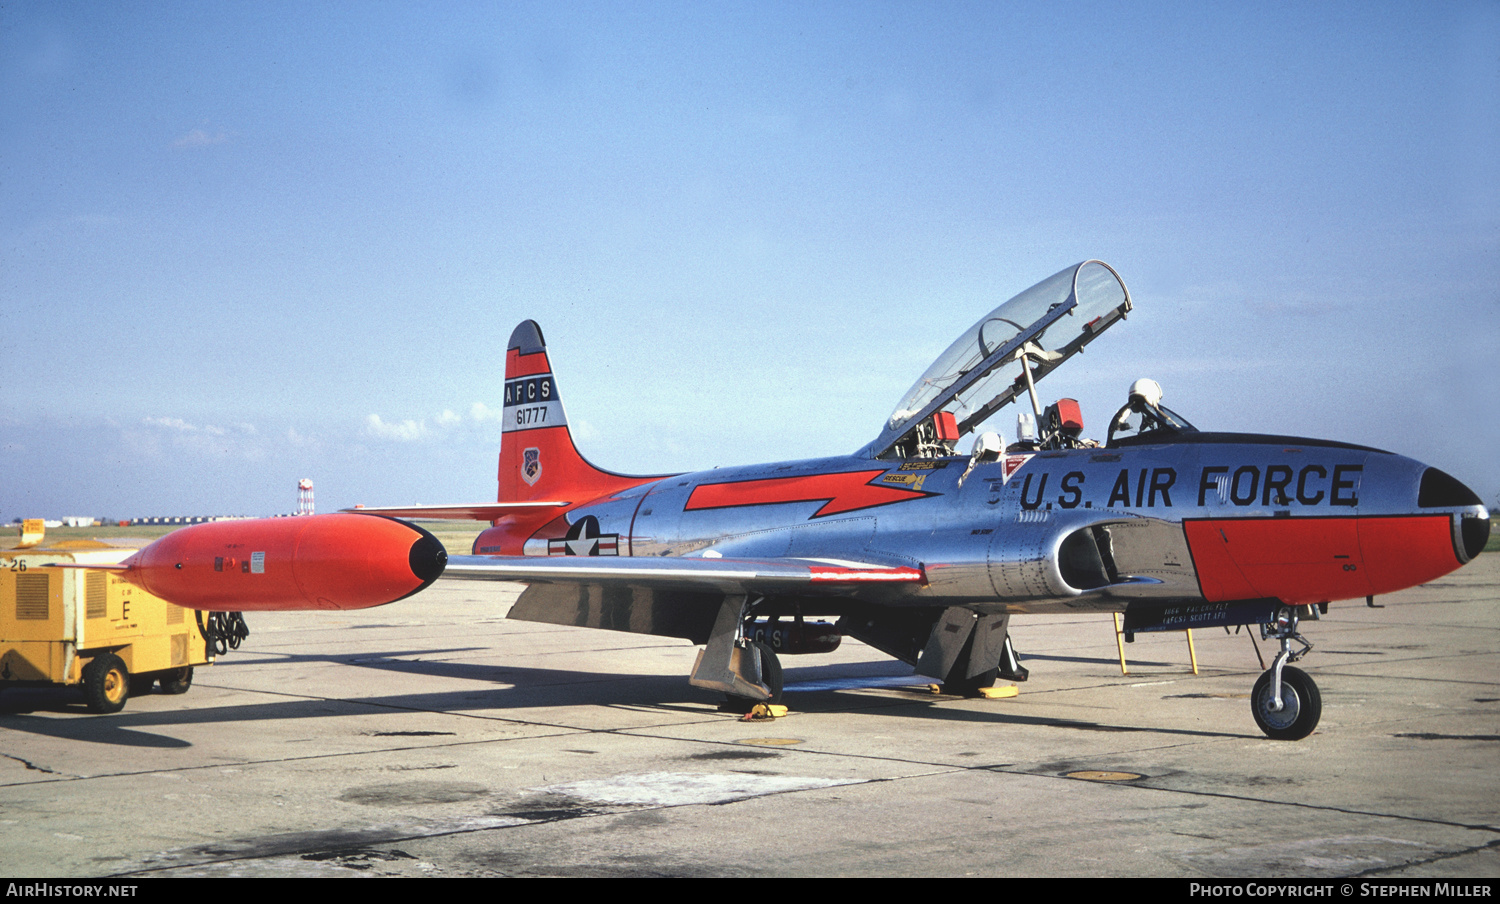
point(478, 511)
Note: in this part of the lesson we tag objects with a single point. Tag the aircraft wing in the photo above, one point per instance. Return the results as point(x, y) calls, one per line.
point(680, 573)
point(477, 511)
point(668, 596)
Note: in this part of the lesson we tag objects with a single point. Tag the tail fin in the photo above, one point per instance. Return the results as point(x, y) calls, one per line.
point(538, 460)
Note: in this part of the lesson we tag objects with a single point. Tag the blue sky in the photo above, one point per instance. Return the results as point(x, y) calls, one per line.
point(242, 244)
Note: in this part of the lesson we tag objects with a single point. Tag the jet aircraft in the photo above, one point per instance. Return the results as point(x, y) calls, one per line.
point(915, 549)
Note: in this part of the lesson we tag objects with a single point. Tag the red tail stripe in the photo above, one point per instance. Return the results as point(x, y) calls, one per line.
point(519, 365)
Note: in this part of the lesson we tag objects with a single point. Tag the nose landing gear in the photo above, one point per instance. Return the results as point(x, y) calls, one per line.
point(1285, 702)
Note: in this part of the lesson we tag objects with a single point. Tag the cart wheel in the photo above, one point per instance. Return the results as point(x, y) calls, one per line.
point(106, 683)
point(176, 681)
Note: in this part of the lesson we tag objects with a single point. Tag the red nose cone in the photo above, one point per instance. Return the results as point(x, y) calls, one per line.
point(342, 561)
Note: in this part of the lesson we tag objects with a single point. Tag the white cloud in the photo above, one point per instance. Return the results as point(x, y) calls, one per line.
point(178, 425)
point(207, 439)
point(171, 423)
point(406, 431)
point(481, 412)
point(301, 441)
point(447, 423)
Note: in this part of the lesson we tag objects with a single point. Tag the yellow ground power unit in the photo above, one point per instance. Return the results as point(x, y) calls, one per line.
point(69, 626)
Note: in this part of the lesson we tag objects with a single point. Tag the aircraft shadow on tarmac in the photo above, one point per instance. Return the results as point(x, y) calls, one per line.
point(848, 687)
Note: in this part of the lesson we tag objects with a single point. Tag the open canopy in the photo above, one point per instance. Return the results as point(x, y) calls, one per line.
point(981, 371)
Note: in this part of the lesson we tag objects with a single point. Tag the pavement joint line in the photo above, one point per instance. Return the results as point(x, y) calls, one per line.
point(1436, 858)
point(1223, 795)
point(941, 770)
point(241, 764)
point(1338, 671)
point(32, 766)
point(934, 769)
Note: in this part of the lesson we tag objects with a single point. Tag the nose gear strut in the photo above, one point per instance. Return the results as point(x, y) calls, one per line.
point(1285, 701)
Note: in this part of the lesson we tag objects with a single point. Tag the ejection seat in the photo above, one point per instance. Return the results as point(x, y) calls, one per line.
point(1063, 425)
point(1061, 428)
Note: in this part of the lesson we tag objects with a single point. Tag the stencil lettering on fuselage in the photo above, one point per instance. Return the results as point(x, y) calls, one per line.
point(1264, 486)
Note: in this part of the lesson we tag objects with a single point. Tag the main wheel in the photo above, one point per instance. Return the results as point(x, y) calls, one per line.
point(963, 686)
point(770, 674)
point(1301, 708)
point(106, 683)
point(176, 681)
point(958, 683)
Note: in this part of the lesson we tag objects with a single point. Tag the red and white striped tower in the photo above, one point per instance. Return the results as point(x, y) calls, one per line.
point(304, 496)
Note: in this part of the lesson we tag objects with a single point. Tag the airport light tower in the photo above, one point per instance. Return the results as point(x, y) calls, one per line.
point(305, 496)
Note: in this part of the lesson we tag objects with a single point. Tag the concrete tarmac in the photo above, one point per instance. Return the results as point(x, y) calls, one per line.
point(433, 737)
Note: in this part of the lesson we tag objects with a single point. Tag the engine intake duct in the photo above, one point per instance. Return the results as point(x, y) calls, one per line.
point(1086, 560)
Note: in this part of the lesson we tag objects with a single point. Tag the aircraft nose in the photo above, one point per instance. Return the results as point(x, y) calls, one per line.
point(1439, 489)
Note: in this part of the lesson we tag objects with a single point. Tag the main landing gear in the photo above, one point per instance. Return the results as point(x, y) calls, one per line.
point(1285, 701)
point(745, 670)
point(770, 676)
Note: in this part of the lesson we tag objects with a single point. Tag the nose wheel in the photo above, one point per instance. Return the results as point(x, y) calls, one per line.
point(1285, 702)
point(1301, 705)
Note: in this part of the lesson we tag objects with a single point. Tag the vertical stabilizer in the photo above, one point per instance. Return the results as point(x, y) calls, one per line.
point(538, 460)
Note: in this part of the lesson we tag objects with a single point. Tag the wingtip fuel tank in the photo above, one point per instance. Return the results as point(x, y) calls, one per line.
point(339, 561)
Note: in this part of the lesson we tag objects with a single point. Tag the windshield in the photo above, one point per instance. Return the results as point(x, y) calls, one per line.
point(1151, 422)
point(975, 376)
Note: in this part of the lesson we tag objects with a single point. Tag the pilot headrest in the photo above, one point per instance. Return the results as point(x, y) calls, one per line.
point(1065, 417)
point(1146, 390)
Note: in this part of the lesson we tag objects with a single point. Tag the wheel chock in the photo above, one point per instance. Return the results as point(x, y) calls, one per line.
point(764, 712)
point(999, 693)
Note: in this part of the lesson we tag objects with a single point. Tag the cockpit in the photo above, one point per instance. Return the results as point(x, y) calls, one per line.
point(1003, 356)
point(1144, 419)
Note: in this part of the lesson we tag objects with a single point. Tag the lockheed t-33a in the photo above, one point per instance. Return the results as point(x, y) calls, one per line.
point(915, 549)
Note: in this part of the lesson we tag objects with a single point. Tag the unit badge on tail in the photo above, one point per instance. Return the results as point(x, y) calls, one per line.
point(531, 466)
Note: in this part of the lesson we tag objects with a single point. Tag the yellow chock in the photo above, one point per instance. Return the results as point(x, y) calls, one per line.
point(1000, 693)
point(764, 712)
point(934, 688)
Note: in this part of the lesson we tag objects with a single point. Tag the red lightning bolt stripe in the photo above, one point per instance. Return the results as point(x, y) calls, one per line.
point(843, 492)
